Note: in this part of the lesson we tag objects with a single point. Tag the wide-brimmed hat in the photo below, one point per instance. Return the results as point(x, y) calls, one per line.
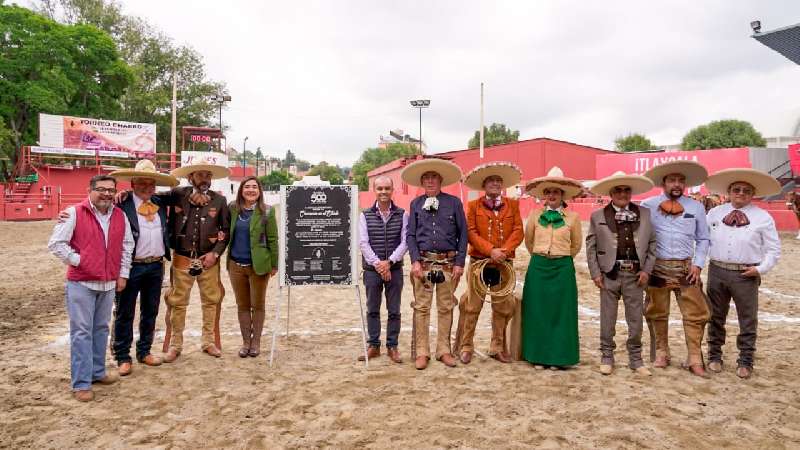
point(412, 173)
point(763, 183)
point(637, 183)
point(694, 172)
point(554, 178)
point(202, 163)
point(145, 169)
point(508, 171)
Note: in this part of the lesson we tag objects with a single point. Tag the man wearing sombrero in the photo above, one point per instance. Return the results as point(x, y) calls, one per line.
point(437, 244)
point(681, 248)
point(620, 252)
point(148, 222)
point(494, 230)
point(199, 230)
point(744, 246)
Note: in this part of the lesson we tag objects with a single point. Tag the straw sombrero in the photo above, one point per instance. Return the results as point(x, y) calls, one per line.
point(412, 173)
point(508, 171)
point(694, 172)
point(637, 183)
point(763, 183)
point(555, 178)
point(203, 163)
point(145, 169)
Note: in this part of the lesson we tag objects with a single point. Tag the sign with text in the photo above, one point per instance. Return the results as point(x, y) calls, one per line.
point(135, 139)
point(318, 235)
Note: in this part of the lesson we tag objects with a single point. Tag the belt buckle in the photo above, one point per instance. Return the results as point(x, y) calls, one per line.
point(626, 266)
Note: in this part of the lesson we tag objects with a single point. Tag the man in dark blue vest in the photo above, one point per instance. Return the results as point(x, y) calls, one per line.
point(383, 245)
point(148, 220)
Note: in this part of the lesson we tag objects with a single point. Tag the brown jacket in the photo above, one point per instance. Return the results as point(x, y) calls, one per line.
point(601, 242)
point(549, 241)
point(214, 222)
point(486, 231)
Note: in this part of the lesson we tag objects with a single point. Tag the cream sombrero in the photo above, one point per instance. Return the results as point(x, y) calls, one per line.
point(145, 169)
point(555, 178)
point(694, 172)
point(412, 173)
point(508, 171)
point(203, 163)
point(763, 183)
point(637, 183)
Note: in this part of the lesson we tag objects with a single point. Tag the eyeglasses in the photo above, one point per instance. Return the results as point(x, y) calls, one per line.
point(742, 190)
point(105, 190)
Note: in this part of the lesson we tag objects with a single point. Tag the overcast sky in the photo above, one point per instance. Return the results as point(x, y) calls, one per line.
point(327, 78)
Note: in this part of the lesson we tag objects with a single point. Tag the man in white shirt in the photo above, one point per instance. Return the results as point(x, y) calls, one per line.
point(744, 246)
point(95, 243)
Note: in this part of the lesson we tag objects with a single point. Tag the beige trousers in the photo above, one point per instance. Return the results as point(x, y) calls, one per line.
point(470, 308)
point(211, 293)
point(445, 302)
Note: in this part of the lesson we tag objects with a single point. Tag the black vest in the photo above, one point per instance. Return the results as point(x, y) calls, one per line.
point(384, 237)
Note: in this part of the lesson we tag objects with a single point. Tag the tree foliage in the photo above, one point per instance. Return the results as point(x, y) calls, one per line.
point(723, 134)
point(633, 142)
point(496, 133)
point(155, 60)
point(327, 172)
point(376, 157)
point(276, 178)
point(53, 68)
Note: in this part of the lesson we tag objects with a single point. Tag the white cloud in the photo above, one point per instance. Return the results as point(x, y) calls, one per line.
point(327, 78)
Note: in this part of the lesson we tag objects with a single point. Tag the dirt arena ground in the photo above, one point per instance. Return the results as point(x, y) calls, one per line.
point(318, 395)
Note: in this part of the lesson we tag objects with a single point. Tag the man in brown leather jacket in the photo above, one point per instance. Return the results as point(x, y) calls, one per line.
point(494, 230)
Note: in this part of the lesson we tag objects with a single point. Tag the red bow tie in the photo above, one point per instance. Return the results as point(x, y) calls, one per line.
point(736, 218)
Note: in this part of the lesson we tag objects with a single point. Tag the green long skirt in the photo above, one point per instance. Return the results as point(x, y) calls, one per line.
point(550, 312)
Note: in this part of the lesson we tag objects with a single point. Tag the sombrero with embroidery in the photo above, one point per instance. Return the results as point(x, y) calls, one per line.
point(637, 183)
point(206, 162)
point(508, 171)
point(145, 169)
point(694, 172)
point(763, 183)
point(412, 173)
point(554, 178)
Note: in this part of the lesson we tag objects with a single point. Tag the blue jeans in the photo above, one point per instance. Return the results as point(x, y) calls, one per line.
point(89, 313)
point(375, 287)
point(144, 282)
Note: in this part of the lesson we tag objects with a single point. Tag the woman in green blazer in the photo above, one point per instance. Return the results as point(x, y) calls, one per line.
point(252, 259)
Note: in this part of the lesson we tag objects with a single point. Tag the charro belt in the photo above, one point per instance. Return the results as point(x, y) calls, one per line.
point(148, 260)
point(732, 266)
point(628, 265)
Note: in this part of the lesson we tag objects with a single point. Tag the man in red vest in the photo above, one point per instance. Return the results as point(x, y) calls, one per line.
point(96, 244)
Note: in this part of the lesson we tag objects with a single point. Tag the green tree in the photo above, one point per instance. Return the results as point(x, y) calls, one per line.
point(276, 178)
point(327, 172)
point(372, 158)
point(53, 68)
point(496, 133)
point(723, 134)
point(633, 142)
point(155, 60)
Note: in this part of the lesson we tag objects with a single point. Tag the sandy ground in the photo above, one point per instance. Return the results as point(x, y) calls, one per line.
point(318, 395)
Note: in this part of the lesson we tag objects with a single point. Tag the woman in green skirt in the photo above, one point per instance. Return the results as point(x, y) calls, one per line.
point(550, 295)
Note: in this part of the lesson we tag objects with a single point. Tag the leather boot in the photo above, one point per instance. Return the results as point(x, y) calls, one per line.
point(246, 327)
point(258, 326)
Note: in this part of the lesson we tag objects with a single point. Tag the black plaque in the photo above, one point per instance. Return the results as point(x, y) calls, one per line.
point(318, 239)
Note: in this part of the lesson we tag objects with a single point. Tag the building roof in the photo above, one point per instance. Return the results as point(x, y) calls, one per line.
point(785, 41)
point(526, 140)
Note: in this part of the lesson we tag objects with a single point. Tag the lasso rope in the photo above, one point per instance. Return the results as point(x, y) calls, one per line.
point(508, 280)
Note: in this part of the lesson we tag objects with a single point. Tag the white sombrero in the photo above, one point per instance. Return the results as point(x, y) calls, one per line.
point(694, 172)
point(202, 163)
point(145, 169)
point(555, 178)
point(637, 183)
point(508, 171)
point(763, 183)
point(412, 173)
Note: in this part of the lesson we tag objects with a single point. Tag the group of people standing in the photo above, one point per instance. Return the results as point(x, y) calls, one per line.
point(116, 253)
point(640, 253)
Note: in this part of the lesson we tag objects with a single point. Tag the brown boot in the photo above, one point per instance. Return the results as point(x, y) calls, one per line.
point(152, 360)
point(258, 326)
point(448, 360)
point(171, 355)
point(466, 357)
point(661, 362)
point(246, 327)
point(421, 362)
point(394, 355)
point(83, 395)
point(212, 350)
point(108, 378)
point(125, 368)
point(503, 357)
point(372, 352)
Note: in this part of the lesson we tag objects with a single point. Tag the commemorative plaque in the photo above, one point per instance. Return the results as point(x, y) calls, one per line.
point(318, 230)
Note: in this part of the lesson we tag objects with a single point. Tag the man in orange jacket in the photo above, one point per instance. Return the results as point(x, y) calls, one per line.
point(494, 230)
